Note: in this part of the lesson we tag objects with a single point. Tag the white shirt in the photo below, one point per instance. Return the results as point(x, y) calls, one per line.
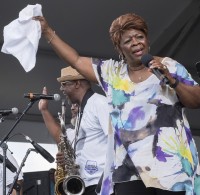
point(92, 139)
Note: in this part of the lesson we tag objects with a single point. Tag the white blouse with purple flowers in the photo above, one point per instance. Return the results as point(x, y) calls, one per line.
point(149, 138)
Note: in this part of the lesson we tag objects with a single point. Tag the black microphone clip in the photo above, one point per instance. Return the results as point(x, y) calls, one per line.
point(197, 65)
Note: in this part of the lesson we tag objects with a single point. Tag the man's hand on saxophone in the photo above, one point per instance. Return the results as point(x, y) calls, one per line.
point(60, 159)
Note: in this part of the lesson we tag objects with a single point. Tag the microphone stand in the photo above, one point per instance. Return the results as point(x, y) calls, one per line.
point(14, 185)
point(4, 145)
point(17, 121)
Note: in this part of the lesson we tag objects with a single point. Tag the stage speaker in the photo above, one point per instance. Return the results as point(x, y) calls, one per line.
point(37, 183)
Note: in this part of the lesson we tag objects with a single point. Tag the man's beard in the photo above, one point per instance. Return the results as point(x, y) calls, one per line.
point(73, 121)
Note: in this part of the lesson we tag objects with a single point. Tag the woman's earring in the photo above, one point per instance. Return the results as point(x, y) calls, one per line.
point(121, 59)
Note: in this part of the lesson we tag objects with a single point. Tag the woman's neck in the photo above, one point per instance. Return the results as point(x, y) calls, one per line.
point(136, 68)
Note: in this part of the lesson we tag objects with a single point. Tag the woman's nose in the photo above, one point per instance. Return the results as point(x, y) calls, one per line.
point(134, 41)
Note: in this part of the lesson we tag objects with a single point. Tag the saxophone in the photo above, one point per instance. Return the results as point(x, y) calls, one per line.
point(67, 178)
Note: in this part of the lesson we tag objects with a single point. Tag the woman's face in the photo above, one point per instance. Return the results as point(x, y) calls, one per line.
point(134, 44)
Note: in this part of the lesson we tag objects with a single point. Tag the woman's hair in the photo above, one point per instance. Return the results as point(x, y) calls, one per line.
point(126, 22)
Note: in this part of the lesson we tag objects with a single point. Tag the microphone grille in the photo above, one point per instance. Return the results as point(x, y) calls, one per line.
point(146, 58)
point(15, 110)
point(56, 97)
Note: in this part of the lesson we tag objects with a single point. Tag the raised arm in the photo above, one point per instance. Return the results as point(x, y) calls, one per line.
point(52, 125)
point(66, 52)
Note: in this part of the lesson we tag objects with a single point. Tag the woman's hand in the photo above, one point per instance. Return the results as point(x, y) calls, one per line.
point(43, 22)
point(156, 64)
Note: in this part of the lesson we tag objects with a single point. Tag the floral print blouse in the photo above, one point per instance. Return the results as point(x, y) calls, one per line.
point(149, 135)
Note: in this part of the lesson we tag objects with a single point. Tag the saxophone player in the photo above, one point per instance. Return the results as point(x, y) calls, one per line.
point(91, 142)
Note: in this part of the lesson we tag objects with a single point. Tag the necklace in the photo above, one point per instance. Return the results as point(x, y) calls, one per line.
point(136, 68)
point(137, 72)
point(140, 78)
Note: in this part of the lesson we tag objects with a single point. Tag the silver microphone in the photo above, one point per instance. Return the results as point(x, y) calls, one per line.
point(5, 112)
point(38, 96)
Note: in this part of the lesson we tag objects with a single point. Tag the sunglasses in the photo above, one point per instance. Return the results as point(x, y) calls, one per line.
point(67, 83)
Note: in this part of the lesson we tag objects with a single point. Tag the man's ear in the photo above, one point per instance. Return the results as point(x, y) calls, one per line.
point(78, 83)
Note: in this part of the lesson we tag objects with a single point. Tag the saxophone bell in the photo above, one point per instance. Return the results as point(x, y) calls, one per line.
point(73, 185)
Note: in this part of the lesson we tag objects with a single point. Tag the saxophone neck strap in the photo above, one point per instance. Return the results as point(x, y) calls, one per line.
point(87, 95)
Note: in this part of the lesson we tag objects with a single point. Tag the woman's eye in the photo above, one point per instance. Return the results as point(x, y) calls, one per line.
point(127, 41)
point(140, 37)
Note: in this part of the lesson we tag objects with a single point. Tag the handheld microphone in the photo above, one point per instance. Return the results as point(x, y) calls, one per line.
point(146, 58)
point(40, 150)
point(9, 111)
point(198, 68)
point(9, 165)
point(37, 96)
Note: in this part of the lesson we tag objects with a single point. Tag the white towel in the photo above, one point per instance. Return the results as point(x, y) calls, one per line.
point(21, 36)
